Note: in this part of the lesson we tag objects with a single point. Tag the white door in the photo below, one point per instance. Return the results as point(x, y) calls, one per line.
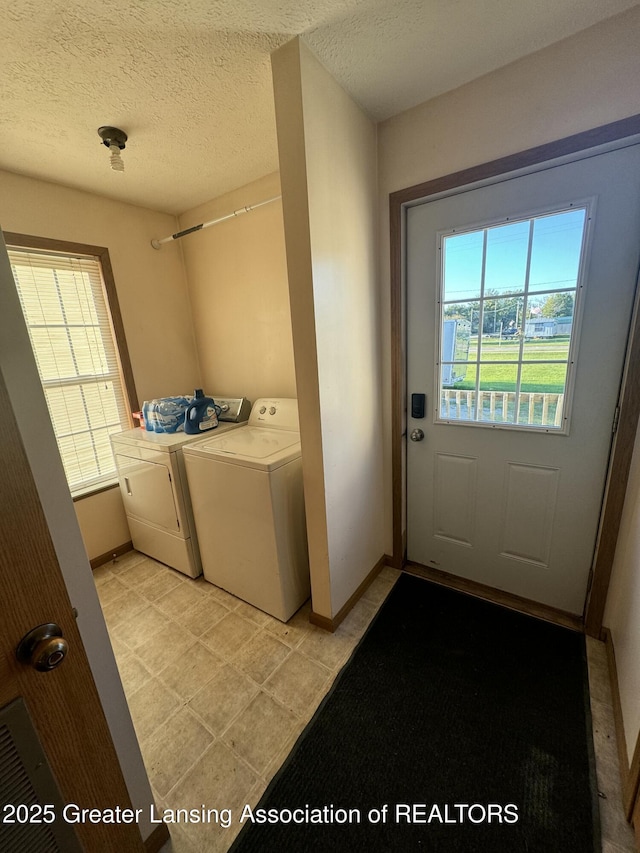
point(519, 297)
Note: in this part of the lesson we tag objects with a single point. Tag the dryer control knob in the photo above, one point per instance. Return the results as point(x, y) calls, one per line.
point(272, 410)
point(263, 409)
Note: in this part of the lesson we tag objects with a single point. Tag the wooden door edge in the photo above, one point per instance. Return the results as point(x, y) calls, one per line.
point(82, 768)
point(158, 838)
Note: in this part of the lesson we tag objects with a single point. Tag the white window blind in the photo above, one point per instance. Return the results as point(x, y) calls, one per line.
point(65, 307)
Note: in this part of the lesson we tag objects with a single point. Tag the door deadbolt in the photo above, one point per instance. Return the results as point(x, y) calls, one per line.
point(44, 648)
point(416, 435)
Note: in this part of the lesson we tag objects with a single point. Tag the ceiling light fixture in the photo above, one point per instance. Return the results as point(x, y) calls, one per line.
point(115, 140)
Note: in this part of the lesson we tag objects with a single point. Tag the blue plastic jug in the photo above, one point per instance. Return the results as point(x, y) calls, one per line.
point(201, 415)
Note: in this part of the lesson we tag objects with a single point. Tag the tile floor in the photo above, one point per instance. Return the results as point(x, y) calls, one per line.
point(220, 706)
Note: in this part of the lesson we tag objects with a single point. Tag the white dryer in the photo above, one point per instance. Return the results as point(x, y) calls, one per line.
point(155, 493)
point(248, 505)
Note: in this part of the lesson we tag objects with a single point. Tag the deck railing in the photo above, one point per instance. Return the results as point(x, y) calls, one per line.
point(534, 409)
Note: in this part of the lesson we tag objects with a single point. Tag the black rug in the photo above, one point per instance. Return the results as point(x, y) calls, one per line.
point(457, 725)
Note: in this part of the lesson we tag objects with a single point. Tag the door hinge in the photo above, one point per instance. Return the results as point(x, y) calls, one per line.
point(616, 418)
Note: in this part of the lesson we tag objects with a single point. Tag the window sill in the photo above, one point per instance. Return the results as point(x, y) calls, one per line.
point(81, 494)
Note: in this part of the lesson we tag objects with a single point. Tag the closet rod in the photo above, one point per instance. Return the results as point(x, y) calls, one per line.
point(157, 243)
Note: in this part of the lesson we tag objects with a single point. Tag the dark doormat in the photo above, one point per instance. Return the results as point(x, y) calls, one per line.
point(457, 725)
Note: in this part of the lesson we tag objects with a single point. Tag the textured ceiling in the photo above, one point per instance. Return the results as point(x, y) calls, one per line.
point(190, 82)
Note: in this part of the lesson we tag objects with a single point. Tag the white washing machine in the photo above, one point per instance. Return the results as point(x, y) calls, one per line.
point(154, 489)
point(248, 504)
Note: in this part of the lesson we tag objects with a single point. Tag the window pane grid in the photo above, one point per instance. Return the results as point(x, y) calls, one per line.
point(448, 302)
point(67, 315)
point(507, 305)
point(511, 363)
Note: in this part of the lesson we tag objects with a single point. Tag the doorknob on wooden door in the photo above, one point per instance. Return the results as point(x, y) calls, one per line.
point(44, 648)
point(416, 435)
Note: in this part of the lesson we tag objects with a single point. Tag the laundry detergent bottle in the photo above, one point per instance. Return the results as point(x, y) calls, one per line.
point(201, 414)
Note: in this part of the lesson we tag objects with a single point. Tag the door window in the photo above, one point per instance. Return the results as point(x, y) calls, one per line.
point(508, 303)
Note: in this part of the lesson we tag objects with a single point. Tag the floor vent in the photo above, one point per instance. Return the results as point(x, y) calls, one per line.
point(26, 785)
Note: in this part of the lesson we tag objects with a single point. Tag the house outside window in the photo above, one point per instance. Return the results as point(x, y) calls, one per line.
point(69, 302)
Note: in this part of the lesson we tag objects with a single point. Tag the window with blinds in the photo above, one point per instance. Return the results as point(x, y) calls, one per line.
point(65, 306)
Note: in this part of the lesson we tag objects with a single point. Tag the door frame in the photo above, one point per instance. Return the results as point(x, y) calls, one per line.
point(530, 160)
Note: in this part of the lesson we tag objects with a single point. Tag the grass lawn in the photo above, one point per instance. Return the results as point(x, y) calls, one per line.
point(536, 377)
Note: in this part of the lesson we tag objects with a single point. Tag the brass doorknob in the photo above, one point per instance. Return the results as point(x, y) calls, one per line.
point(44, 647)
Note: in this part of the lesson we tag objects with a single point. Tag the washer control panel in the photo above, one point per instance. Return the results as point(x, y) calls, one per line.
point(281, 413)
point(234, 409)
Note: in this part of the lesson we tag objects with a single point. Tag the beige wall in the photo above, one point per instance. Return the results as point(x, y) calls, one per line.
point(103, 522)
point(327, 150)
point(622, 614)
point(584, 81)
point(151, 291)
point(237, 279)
